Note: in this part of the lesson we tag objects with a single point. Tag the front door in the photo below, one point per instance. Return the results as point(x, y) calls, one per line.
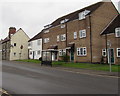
point(71, 55)
point(111, 56)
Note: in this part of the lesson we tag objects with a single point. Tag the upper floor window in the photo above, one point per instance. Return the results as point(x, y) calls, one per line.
point(118, 52)
point(83, 14)
point(29, 43)
point(75, 35)
point(38, 42)
point(14, 44)
point(63, 21)
point(63, 26)
point(58, 38)
point(47, 26)
point(81, 51)
point(63, 37)
point(46, 40)
point(46, 31)
point(117, 32)
point(82, 33)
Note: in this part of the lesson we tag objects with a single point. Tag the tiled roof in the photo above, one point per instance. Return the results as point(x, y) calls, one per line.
point(112, 25)
point(38, 36)
point(74, 15)
point(5, 40)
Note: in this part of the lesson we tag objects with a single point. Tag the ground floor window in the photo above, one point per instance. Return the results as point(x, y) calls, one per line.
point(118, 52)
point(62, 52)
point(38, 52)
point(104, 52)
point(82, 51)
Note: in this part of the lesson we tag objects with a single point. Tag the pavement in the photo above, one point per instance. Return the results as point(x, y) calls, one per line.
point(29, 78)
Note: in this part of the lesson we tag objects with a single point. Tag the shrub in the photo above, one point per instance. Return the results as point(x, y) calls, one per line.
point(65, 58)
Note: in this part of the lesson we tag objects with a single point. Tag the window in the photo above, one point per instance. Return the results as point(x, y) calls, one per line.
point(58, 38)
point(14, 44)
point(38, 42)
point(62, 52)
point(83, 14)
point(75, 35)
point(46, 40)
point(14, 53)
point(63, 37)
point(38, 52)
point(82, 33)
point(117, 32)
point(118, 52)
point(29, 44)
point(104, 52)
point(81, 51)
point(63, 26)
point(46, 31)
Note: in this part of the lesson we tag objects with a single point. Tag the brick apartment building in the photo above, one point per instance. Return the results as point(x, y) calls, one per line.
point(78, 34)
point(82, 34)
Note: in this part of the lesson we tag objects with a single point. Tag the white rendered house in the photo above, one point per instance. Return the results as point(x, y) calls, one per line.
point(35, 46)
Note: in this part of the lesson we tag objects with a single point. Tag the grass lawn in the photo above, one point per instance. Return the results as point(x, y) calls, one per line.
point(30, 60)
point(102, 67)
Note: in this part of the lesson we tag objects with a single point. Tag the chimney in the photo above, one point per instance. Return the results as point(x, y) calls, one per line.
point(12, 30)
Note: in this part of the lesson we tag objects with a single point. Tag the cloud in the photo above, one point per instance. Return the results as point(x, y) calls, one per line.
point(33, 15)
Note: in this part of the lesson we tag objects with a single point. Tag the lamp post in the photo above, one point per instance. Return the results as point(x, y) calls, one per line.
point(109, 54)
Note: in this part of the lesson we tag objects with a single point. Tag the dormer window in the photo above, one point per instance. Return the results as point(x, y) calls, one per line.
point(63, 21)
point(117, 32)
point(46, 31)
point(47, 26)
point(83, 14)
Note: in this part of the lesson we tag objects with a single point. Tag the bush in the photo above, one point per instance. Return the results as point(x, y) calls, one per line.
point(65, 58)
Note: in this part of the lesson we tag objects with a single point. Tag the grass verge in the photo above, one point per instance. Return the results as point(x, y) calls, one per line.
point(100, 67)
point(30, 60)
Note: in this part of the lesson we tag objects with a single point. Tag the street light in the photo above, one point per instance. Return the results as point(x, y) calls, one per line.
point(109, 54)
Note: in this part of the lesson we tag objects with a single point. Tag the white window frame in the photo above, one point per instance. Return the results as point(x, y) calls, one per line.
point(75, 35)
point(62, 26)
point(82, 33)
point(38, 42)
point(81, 15)
point(118, 50)
point(117, 32)
point(81, 53)
point(38, 52)
point(46, 40)
point(60, 52)
point(58, 38)
point(63, 37)
point(46, 31)
point(104, 51)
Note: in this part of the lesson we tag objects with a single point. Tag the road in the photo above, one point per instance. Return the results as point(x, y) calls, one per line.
point(28, 78)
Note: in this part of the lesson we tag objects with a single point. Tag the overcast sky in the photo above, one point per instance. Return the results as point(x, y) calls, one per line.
point(33, 15)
